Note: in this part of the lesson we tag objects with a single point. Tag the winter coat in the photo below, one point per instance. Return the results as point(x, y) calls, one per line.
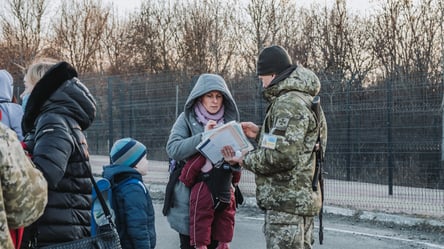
point(206, 223)
point(185, 135)
point(59, 109)
point(11, 113)
point(284, 173)
point(23, 189)
point(133, 208)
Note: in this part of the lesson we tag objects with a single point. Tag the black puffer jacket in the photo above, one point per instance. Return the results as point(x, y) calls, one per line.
point(59, 108)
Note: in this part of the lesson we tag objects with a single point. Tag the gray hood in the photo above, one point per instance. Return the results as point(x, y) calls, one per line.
point(212, 82)
point(5, 86)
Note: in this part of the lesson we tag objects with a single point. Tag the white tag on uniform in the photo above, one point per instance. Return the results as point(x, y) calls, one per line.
point(269, 141)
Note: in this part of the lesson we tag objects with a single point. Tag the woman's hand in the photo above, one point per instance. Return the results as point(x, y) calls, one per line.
point(232, 157)
point(210, 125)
point(250, 129)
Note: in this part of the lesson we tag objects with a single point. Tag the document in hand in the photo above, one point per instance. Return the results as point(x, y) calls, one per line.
point(228, 134)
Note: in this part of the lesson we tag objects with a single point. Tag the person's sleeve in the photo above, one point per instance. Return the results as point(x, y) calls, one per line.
point(52, 149)
point(324, 133)
point(151, 222)
point(137, 220)
point(181, 144)
point(236, 176)
point(191, 170)
point(23, 186)
point(16, 122)
point(290, 122)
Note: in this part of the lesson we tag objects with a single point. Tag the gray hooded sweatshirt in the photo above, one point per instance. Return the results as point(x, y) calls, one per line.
point(11, 113)
point(186, 134)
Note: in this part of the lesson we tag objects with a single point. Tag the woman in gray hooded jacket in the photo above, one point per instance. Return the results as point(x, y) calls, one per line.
point(186, 134)
point(10, 113)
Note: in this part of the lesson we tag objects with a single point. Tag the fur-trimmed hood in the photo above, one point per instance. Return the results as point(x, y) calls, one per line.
point(60, 91)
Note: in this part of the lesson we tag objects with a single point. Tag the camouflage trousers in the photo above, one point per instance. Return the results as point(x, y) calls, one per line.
point(288, 231)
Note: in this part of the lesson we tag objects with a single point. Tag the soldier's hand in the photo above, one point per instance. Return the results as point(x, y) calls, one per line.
point(250, 129)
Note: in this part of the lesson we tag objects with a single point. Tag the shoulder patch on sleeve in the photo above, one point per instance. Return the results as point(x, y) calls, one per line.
point(282, 123)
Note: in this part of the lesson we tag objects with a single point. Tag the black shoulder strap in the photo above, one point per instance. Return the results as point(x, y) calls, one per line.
point(96, 188)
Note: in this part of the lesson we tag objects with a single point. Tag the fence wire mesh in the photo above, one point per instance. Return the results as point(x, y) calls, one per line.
point(384, 140)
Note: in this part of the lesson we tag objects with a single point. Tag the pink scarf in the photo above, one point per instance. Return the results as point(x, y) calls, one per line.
point(203, 116)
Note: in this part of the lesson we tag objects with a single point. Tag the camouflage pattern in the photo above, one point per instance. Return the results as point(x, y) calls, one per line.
point(284, 162)
point(288, 231)
point(23, 194)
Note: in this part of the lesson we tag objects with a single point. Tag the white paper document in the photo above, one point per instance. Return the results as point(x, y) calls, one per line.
point(228, 134)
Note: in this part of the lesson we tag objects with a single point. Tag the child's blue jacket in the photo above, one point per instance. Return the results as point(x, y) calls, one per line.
point(133, 208)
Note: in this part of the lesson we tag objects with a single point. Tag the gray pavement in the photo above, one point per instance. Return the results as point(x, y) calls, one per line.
point(158, 176)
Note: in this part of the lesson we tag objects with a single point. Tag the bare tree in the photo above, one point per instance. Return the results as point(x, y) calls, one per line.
point(424, 26)
point(256, 30)
point(22, 32)
point(407, 37)
point(78, 33)
point(167, 23)
point(143, 38)
point(206, 36)
point(334, 44)
point(270, 22)
point(194, 36)
point(115, 50)
point(224, 44)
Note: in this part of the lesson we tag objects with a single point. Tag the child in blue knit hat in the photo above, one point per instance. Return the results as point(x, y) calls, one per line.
point(131, 200)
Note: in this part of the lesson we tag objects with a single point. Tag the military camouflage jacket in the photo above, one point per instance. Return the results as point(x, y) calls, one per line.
point(284, 161)
point(24, 193)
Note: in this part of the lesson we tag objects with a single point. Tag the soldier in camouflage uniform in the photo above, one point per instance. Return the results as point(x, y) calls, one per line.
point(23, 195)
point(284, 162)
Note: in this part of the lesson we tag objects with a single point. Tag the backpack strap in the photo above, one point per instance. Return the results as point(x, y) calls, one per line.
point(134, 181)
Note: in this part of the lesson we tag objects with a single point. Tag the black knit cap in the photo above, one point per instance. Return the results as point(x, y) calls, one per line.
point(272, 59)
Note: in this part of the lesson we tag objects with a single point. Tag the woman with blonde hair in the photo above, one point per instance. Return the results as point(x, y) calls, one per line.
point(57, 110)
point(33, 75)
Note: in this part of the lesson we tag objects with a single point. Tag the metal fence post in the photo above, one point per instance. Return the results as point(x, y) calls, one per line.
point(177, 101)
point(349, 150)
point(389, 137)
point(110, 115)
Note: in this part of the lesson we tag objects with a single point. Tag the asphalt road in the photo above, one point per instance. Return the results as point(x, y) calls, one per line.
point(340, 232)
point(248, 232)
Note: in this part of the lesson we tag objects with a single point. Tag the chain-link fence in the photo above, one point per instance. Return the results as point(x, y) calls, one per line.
point(384, 140)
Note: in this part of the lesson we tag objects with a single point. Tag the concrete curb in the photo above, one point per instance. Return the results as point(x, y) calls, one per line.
point(398, 219)
point(158, 191)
